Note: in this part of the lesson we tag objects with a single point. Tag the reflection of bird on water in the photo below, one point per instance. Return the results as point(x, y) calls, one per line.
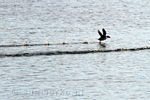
point(102, 45)
point(103, 36)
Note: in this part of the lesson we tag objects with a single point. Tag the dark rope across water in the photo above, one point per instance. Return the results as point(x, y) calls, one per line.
point(72, 52)
point(44, 44)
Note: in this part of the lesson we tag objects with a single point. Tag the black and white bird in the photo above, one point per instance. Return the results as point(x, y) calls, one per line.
point(103, 36)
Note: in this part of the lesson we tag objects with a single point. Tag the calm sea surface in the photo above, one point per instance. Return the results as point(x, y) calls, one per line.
point(92, 76)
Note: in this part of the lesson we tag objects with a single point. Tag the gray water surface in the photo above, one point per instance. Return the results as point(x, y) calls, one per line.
point(102, 76)
point(92, 76)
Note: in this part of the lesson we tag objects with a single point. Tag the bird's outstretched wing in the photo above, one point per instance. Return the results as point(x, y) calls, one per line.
point(104, 32)
point(99, 33)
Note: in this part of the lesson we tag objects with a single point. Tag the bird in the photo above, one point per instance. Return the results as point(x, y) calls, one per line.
point(103, 36)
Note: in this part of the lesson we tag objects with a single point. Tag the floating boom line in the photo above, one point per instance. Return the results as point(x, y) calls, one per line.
point(50, 53)
point(44, 44)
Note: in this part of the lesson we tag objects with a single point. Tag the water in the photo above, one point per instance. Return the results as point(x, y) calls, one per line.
point(92, 76)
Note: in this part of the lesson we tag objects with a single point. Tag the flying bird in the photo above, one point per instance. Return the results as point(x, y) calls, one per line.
point(103, 36)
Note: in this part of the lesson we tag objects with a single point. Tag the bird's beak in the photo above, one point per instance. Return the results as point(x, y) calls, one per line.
point(108, 36)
